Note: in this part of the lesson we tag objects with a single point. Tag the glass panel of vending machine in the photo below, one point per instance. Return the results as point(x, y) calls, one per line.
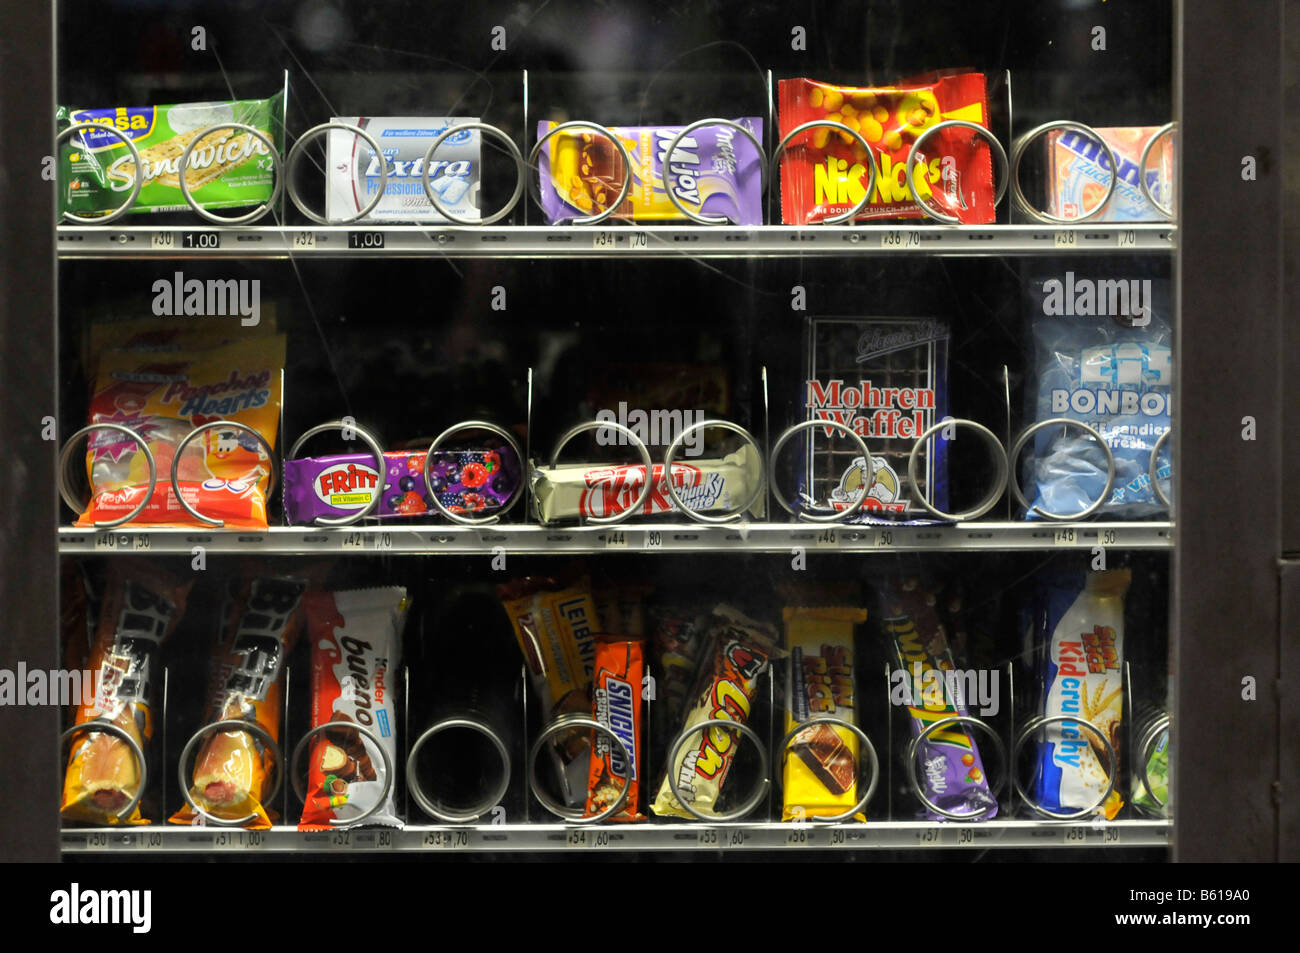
point(629, 427)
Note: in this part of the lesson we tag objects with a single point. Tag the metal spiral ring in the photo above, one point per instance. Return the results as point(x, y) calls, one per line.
point(514, 495)
point(914, 749)
point(1020, 147)
point(834, 517)
point(672, 148)
point(671, 453)
point(183, 166)
point(136, 182)
point(1019, 445)
point(65, 490)
point(381, 469)
point(832, 124)
point(867, 746)
point(995, 147)
point(521, 174)
point(489, 800)
point(1032, 726)
point(999, 460)
point(637, 505)
point(1166, 130)
point(112, 728)
point(755, 796)
point(569, 721)
point(229, 725)
point(185, 442)
point(622, 151)
point(300, 146)
point(300, 788)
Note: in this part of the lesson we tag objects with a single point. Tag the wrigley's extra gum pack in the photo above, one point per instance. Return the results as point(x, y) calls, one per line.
point(354, 169)
point(887, 380)
point(162, 397)
point(1079, 173)
point(1103, 356)
point(1079, 630)
point(825, 171)
point(227, 168)
point(714, 171)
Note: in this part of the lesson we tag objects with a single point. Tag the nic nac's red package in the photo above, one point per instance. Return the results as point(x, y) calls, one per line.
point(824, 171)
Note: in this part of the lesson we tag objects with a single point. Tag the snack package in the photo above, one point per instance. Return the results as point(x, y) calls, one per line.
point(600, 489)
point(232, 771)
point(616, 704)
point(167, 335)
point(476, 482)
point(715, 171)
point(887, 380)
point(950, 768)
point(1153, 744)
point(555, 626)
point(76, 628)
point(163, 397)
point(741, 650)
point(821, 763)
point(1079, 172)
point(227, 168)
point(353, 169)
point(824, 171)
point(355, 646)
point(1080, 632)
point(1115, 378)
point(141, 607)
point(679, 639)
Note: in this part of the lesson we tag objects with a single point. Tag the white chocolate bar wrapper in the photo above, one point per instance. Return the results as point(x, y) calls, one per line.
point(602, 490)
point(1084, 664)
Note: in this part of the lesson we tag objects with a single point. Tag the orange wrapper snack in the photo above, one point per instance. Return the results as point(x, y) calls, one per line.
point(261, 621)
point(141, 607)
point(825, 171)
point(162, 397)
point(616, 704)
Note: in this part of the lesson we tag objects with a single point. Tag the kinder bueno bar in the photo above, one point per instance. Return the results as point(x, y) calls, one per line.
point(950, 768)
point(1081, 635)
point(887, 380)
point(741, 650)
point(714, 171)
point(820, 773)
point(588, 489)
point(616, 704)
point(355, 642)
point(1080, 172)
point(824, 171)
point(354, 169)
point(466, 481)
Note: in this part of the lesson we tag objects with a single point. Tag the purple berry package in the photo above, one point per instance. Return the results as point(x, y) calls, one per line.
point(714, 171)
point(474, 482)
point(949, 769)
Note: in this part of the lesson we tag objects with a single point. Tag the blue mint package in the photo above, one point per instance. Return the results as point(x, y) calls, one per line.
point(1103, 357)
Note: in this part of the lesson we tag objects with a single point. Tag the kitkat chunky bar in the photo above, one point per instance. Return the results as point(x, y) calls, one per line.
point(820, 773)
point(824, 171)
point(950, 767)
point(355, 644)
point(227, 168)
point(1080, 633)
point(714, 171)
point(142, 605)
point(616, 704)
point(260, 622)
point(740, 652)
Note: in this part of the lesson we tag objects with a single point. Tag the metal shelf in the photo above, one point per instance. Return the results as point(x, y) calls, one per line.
point(642, 537)
point(896, 835)
point(546, 242)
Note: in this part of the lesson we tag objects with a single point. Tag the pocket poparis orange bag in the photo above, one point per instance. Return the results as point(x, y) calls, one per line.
point(224, 472)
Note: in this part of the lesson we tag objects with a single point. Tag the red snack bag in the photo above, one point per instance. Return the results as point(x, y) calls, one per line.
point(620, 666)
point(824, 171)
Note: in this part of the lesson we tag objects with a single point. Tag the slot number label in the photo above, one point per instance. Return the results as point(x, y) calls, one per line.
point(447, 840)
point(1065, 240)
point(1065, 536)
point(900, 238)
point(609, 241)
point(583, 838)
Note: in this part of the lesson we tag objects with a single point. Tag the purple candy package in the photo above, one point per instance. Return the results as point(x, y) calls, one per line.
point(475, 482)
point(714, 171)
point(949, 767)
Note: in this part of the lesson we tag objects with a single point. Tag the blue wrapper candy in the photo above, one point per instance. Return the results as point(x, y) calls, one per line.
point(1115, 378)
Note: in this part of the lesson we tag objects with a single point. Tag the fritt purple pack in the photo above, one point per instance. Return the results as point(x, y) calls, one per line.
point(715, 170)
point(473, 482)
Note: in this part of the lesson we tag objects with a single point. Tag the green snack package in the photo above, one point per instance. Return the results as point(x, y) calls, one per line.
point(227, 168)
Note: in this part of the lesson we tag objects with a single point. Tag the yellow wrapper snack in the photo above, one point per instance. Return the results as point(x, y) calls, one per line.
point(820, 770)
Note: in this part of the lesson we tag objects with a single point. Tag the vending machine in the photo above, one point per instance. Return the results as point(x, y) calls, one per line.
point(848, 430)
